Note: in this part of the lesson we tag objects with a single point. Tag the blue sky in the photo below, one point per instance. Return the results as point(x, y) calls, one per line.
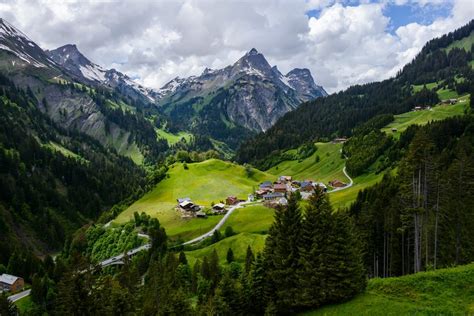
point(403, 14)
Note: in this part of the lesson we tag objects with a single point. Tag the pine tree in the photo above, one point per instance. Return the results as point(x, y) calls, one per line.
point(282, 255)
point(230, 255)
point(249, 259)
point(344, 273)
point(313, 247)
point(182, 258)
point(214, 268)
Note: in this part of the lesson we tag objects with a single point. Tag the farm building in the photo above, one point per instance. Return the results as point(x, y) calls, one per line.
point(11, 283)
point(181, 200)
point(273, 196)
point(218, 207)
point(260, 193)
point(189, 206)
point(231, 200)
point(201, 214)
point(339, 140)
point(285, 179)
point(337, 184)
point(306, 186)
point(279, 187)
point(266, 185)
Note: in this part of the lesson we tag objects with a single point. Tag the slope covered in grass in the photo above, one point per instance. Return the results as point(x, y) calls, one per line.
point(173, 138)
point(238, 243)
point(440, 112)
point(204, 182)
point(442, 292)
point(328, 168)
point(251, 219)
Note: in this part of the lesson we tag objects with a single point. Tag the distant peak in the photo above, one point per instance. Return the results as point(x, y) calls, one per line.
point(253, 51)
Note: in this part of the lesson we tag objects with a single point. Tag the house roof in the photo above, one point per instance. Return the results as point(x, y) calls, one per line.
point(266, 184)
point(279, 186)
point(219, 205)
point(186, 199)
point(8, 278)
point(305, 183)
point(273, 195)
point(185, 203)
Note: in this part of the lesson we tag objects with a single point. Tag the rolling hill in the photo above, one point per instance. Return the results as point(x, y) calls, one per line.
point(204, 182)
point(442, 292)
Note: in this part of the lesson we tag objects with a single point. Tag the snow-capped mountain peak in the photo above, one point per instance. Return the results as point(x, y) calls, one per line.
point(17, 43)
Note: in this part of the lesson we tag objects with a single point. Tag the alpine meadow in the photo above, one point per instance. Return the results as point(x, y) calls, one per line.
point(236, 158)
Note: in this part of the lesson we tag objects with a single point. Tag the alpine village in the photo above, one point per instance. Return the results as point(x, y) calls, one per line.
point(239, 190)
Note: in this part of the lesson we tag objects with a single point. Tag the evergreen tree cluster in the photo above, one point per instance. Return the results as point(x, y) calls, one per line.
point(422, 218)
point(311, 257)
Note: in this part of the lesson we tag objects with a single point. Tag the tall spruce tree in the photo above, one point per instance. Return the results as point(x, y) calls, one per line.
point(282, 255)
point(313, 247)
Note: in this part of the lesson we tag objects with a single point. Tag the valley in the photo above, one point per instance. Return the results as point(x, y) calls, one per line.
point(236, 190)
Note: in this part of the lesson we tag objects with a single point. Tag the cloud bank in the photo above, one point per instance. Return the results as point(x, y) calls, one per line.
point(343, 43)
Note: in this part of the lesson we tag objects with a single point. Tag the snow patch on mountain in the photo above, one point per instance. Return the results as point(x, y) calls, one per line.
point(93, 73)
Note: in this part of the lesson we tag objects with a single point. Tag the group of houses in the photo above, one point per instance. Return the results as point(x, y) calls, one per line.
point(276, 192)
point(189, 209)
point(11, 283)
point(443, 102)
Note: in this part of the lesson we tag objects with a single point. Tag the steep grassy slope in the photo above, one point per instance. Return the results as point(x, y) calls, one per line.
point(251, 219)
point(345, 197)
point(328, 168)
point(204, 182)
point(237, 243)
point(442, 292)
point(402, 121)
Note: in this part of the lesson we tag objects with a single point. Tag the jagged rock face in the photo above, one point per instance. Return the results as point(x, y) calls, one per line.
point(76, 64)
point(30, 67)
point(15, 42)
point(257, 93)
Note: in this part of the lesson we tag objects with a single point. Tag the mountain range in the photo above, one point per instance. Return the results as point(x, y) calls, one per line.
point(223, 106)
point(250, 92)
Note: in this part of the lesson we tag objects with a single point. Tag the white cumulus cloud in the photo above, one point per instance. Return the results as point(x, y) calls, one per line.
point(155, 41)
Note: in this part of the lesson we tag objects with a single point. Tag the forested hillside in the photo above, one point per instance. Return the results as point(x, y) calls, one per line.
point(52, 180)
point(422, 217)
point(338, 114)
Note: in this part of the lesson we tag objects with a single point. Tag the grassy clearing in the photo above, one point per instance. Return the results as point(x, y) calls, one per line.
point(328, 168)
point(429, 86)
point(64, 151)
point(238, 243)
point(443, 94)
point(24, 305)
point(251, 219)
point(345, 197)
point(173, 138)
point(465, 43)
point(134, 153)
point(204, 182)
point(440, 112)
point(442, 292)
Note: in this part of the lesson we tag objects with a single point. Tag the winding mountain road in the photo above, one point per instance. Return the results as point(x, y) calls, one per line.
point(218, 226)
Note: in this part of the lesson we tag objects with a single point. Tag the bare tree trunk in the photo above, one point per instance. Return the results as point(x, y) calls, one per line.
point(403, 252)
point(436, 229)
